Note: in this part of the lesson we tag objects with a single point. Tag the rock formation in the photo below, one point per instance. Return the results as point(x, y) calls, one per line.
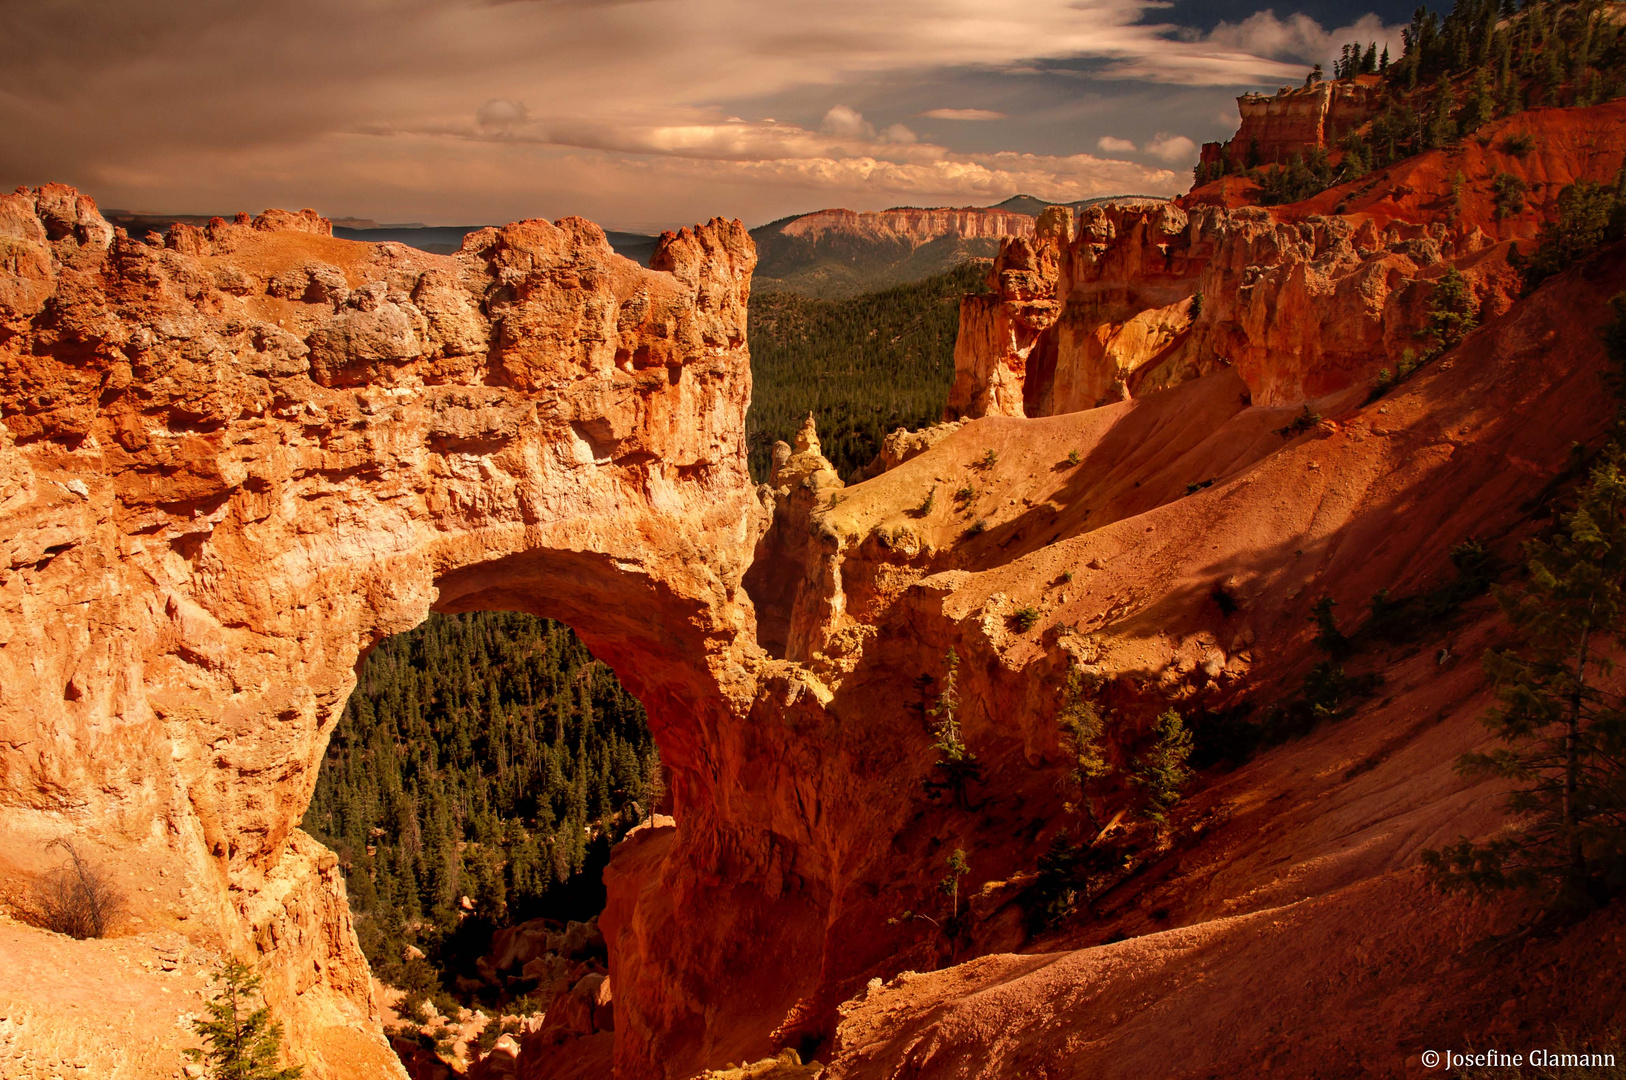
point(1301, 300)
point(1295, 122)
point(234, 462)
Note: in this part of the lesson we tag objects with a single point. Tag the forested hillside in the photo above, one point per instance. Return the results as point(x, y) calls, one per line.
point(486, 756)
point(1482, 61)
point(862, 366)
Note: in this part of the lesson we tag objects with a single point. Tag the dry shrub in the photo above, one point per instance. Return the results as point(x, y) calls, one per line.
point(77, 898)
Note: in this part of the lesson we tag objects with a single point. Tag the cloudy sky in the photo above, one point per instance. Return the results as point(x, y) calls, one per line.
point(640, 114)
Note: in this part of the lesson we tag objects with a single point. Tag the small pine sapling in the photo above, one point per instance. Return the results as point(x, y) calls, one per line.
point(1083, 731)
point(1162, 772)
point(1328, 638)
point(955, 761)
point(241, 1042)
point(958, 868)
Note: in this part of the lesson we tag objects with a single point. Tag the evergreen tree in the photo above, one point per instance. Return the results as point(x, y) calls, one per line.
point(1589, 215)
point(1329, 638)
point(1440, 128)
point(1162, 772)
point(1480, 107)
point(1083, 728)
point(958, 868)
point(1451, 311)
point(957, 764)
point(1564, 731)
point(240, 1041)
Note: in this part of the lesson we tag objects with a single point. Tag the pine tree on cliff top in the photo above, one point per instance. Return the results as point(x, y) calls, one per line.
point(240, 1042)
point(1564, 732)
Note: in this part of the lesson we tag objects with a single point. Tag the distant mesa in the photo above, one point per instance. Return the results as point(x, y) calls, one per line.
point(838, 254)
point(1033, 207)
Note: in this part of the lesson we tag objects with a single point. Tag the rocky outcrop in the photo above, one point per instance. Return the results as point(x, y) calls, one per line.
point(1149, 295)
point(1301, 300)
point(1295, 122)
point(1003, 331)
point(231, 464)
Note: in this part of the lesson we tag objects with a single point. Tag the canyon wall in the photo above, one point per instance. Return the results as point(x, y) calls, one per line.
point(1300, 300)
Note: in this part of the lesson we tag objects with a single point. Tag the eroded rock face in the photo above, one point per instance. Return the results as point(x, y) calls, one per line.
point(1302, 300)
point(1005, 331)
point(233, 463)
point(1296, 122)
point(1299, 308)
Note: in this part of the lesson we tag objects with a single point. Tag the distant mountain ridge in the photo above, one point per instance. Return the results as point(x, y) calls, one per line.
point(839, 254)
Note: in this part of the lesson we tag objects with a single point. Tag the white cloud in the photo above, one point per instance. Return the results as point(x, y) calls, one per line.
point(850, 123)
point(956, 178)
point(897, 133)
point(1111, 144)
point(1300, 38)
point(1175, 149)
point(963, 114)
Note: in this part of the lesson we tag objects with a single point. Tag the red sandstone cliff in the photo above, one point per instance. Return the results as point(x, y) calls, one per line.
point(1300, 300)
point(1295, 122)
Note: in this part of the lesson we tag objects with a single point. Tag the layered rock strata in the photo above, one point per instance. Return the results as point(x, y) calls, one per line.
point(1301, 301)
point(1295, 122)
point(233, 463)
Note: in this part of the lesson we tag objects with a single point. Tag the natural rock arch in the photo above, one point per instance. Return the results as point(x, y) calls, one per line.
point(234, 462)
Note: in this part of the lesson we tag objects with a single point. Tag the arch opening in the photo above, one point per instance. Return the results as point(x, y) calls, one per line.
point(480, 773)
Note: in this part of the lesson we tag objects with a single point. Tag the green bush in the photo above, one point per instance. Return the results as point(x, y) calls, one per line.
point(1303, 422)
point(1509, 190)
point(1518, 144)
point(1161, 772)
point(1589, 215)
